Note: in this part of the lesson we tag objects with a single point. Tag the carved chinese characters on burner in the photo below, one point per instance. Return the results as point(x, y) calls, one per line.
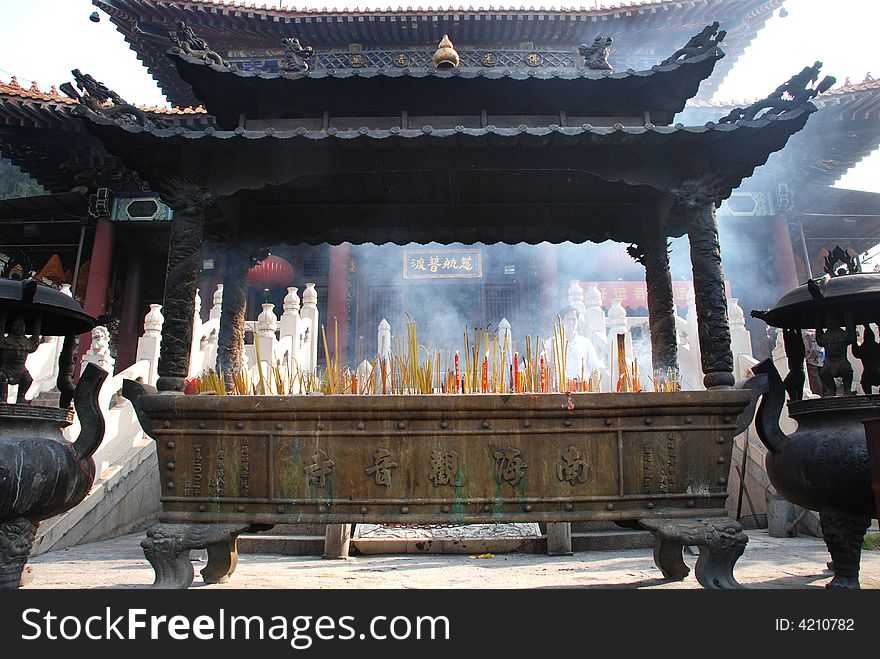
point(572, 467)
point(382, 466)
point(444, 468)
point(193, 487)
point(244, 475)
point(509, 466)
point(320, 468)
point(218, 485)
point(668, 476)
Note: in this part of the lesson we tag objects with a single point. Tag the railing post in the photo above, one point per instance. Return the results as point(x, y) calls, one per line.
point(149, 343)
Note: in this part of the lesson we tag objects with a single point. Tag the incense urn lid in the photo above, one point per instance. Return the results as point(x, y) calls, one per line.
point(60, 314)
point(808, 304)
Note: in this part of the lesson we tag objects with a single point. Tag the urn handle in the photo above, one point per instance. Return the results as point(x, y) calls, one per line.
point(769, 386)
point(85, 400)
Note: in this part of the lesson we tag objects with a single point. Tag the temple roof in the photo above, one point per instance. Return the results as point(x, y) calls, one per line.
point(643, 33)
point(661, 91)
point(523, 184)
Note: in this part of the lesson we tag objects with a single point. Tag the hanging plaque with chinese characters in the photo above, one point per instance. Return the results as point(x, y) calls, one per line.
point(442, 263)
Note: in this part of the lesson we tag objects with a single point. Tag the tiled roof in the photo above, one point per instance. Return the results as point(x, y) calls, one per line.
point(640, 28)
point(439, 9)
point(13, 88)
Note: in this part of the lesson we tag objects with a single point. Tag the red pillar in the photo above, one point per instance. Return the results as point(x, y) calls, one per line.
point(132, 313)
point(337, 298)
point(98, 283)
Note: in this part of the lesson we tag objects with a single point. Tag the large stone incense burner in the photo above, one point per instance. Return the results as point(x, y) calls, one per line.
point(41, 474)
point(823, 465)
point(229, 462)
point(485, 160)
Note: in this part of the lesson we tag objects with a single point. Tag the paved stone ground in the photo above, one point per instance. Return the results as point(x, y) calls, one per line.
point(767, 563)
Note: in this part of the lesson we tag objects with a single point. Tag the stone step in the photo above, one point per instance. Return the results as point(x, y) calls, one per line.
point(611, 540)
point(285, 545)
point(303, 540)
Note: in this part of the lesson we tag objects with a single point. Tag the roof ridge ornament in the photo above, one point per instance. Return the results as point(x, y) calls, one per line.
point(446, 56)
point(186, 41)
point(789, 96)
point(702, 42)
point(596, 56)
point(102, 100)
point(295, 56)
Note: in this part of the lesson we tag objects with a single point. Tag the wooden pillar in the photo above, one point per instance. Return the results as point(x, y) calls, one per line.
point(181, 280)
point(709, 293)
point(337, 298)
point(230, 340)
point(661, 305)
point(786, 272)
point(132, 312)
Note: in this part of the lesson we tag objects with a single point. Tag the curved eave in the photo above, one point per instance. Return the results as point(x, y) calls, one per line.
point(662, 90)
point(650, 161)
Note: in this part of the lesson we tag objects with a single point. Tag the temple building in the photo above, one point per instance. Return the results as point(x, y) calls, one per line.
point(101, 225)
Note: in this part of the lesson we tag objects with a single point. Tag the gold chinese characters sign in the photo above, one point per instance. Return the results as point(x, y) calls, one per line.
point(442, 263)
point(444, 459)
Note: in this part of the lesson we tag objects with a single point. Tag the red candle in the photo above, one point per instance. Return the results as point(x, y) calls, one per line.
point(516, 372)
point(542, 374)
point(485, 374)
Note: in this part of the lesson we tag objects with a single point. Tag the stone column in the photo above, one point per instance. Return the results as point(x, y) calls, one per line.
point(712, 323)
point(654, 255)
point(188, 202)
point(230, 342)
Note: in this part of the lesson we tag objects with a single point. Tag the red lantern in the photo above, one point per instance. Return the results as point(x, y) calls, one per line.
point(271, 272)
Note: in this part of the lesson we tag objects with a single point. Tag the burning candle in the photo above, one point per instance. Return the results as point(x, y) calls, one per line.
point(485, 375)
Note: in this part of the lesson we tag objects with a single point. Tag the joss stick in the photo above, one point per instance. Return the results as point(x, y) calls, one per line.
point(336, 370)
point(516, 372)
point(622, 370)
point(542, 373)
point(457, 382)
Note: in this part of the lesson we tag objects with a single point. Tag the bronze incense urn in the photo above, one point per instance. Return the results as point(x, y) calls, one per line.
point(41, 474)
point(823, 466)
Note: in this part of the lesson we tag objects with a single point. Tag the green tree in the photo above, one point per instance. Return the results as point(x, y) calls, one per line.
point(15, 183)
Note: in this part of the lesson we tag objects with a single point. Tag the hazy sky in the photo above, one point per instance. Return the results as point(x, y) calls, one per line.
point(43, 39)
